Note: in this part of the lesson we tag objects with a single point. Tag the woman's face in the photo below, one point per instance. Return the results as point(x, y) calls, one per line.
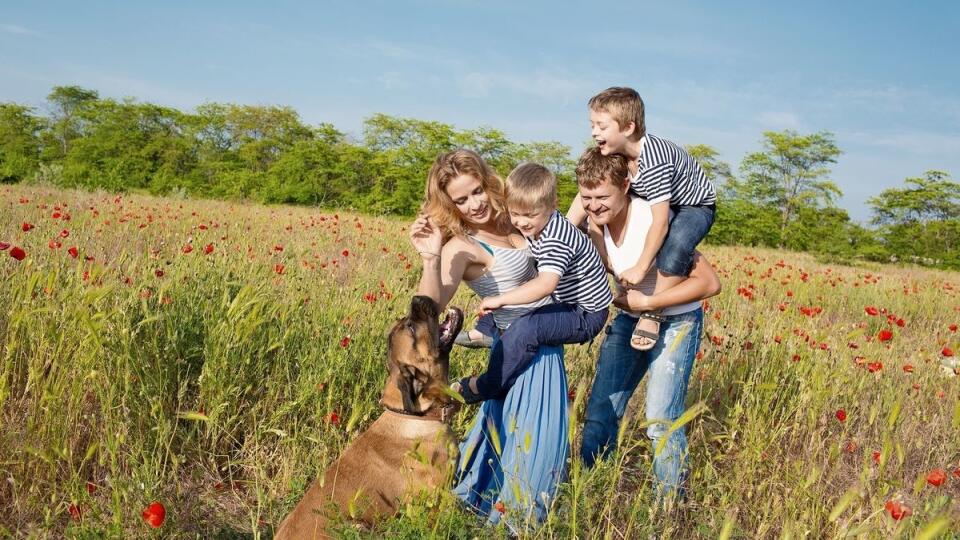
point(470, 198)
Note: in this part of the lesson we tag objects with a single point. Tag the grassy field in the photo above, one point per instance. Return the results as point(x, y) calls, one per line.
point(214, 357)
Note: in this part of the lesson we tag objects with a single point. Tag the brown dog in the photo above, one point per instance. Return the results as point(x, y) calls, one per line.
point(409, 448)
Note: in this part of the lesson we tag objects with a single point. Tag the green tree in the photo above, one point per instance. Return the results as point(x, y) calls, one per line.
point(19, 142)
point(67, 103)
point(707, 157)
point(128, 145)
point(790, 174)
point(922, 220)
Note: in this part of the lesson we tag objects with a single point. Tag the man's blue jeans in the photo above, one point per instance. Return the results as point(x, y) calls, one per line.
point(619, 370)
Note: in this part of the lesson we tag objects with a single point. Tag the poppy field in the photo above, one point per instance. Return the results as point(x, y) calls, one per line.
point(183, 369)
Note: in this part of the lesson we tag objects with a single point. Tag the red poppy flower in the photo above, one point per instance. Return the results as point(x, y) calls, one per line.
point(874, 367)
point(18, 253)
point(898, 510)
point(841, 415)
point(901, 323)
point(871, 310)
point(908, 368)
point(279, 268)
point(346, 253)
point(73, 252)
point(208, 249)
point(947, 351)
point(158, 272)
point(937, 477)
point(499, 507)
point(64, 233)
point(884, 335)
point(876, 457)
point(187, 248)
point(74, 510)
point(334, 418)
point(953, 328)
point(345, 341)
point(91, 488)
point(26, 226)
point(851, 447)
point(4, 246)
point(154, 514)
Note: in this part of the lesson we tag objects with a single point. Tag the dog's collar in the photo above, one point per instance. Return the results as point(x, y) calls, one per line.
point(438, 414)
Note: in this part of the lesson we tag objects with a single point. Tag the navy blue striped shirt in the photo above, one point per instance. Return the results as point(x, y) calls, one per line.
point(563, 249)
point(667, 172)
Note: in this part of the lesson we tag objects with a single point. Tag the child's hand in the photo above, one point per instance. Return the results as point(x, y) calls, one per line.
point(489, 304)
point(633, 275)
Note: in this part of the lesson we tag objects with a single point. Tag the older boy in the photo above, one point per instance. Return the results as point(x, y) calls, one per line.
point(668, 177)
point(569, 269)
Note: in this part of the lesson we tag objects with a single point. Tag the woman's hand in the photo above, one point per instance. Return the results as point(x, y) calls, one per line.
point(425, 237)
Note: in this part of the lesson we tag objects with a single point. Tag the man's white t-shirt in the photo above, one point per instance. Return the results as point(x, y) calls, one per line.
point(622, 258)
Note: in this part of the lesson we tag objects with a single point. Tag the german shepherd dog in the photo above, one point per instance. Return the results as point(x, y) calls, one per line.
point(409, 448)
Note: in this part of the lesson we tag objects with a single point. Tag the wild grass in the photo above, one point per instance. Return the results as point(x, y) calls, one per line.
point(221, 380)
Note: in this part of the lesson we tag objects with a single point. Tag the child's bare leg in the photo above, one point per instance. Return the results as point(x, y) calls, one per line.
point(664, 282)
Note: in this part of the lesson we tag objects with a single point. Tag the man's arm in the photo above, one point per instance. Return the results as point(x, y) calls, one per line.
point(576, 214)
point(703, 283)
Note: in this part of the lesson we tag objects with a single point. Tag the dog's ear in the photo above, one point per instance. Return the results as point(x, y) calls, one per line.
point(411, 382)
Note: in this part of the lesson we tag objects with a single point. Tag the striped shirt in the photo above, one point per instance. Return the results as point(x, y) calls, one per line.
point(510, 268)
point(562, 249)
point(667, 172)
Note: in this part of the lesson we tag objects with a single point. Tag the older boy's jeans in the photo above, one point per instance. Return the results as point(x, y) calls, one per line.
point(619, 370)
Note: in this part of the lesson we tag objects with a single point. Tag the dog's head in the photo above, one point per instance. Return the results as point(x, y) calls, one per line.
point(418, 357)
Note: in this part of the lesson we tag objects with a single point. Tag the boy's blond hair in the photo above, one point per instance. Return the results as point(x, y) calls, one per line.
point(531, 186)
point(624, 105)
point(594, 168)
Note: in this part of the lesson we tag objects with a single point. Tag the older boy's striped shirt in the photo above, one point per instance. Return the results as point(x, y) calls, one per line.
point(563, 249)
point(667, 172)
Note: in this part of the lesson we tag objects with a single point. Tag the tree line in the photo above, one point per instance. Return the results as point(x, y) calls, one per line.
point(781, 196)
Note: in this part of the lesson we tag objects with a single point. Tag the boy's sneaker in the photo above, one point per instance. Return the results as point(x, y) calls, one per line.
point(464, 340)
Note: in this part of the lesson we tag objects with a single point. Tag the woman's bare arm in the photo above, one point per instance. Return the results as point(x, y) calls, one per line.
point(443, 264)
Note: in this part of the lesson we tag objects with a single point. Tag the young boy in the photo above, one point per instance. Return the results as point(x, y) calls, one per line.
point(569, 268)
point(667, 176)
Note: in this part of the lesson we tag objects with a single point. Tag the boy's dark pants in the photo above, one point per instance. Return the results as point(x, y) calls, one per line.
point(690, 224)
point(555, 324)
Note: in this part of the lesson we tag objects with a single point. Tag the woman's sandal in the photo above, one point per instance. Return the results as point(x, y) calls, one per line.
point(639, 333)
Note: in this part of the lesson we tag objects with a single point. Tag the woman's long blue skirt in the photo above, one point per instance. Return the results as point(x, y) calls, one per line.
point(516, 451)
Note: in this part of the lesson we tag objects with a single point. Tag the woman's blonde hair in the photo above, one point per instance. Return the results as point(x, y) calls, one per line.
point(439, 207)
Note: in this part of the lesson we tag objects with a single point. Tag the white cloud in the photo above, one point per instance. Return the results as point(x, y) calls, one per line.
point(779, 120)
point(18, 30)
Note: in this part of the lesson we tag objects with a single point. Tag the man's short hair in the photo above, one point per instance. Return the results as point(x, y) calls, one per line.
point(624, 105)
point(530, 186)
point(593, 168)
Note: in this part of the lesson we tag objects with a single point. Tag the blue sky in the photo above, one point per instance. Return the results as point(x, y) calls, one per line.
point(882, 76)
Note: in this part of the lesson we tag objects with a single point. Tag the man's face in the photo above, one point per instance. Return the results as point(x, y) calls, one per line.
point(604, 201)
